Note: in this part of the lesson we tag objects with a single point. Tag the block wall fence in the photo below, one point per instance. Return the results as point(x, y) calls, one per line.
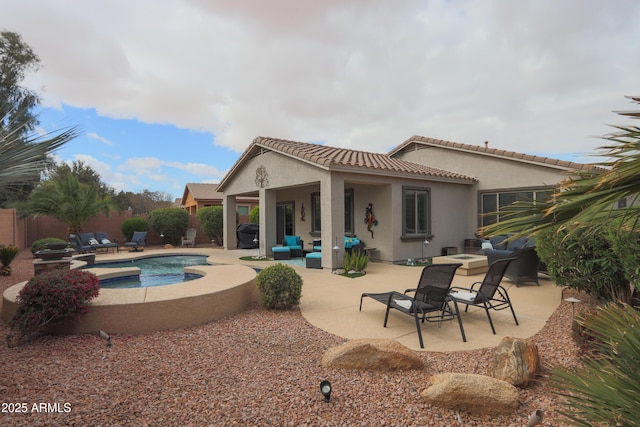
point(23, 232)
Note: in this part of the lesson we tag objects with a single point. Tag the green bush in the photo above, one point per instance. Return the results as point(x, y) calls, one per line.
point(131, 225)
point(626, 246)
point(211, 220)
point(280, 287)
point(355, 261)
point(584, 261)
point(7, 254)
point(254, 215)
point(170, 222)
point(53, 297)
point(41, 244)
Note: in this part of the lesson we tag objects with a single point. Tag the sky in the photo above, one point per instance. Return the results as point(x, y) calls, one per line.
point(171, 92)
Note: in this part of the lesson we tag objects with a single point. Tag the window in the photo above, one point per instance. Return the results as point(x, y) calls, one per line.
point(348, 212)
point(490, 203)
point(243, 210)
point(316, 217)
point(316, 212)
point(416, 212)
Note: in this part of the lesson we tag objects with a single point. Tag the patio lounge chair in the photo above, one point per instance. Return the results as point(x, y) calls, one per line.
point(105, 243)
point(429, 302)
point(138, 240)
point(78, 246)
point(190, 239)
point(490, 294)
point(97, 241)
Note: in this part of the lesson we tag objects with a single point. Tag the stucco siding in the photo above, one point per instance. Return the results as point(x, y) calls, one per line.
point(491, 172)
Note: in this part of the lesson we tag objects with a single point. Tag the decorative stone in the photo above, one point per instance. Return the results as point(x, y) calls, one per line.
point(477, 394)
point(372, 354)
point(516, 361)
point(41, 266)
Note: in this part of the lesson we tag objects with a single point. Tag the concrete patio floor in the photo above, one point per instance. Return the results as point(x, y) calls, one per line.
point(330, 302)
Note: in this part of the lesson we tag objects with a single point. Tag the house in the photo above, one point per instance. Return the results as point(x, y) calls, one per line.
point(424, 189)
point(200, 195)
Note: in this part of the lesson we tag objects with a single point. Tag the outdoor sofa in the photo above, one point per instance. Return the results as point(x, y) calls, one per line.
point(525, 267)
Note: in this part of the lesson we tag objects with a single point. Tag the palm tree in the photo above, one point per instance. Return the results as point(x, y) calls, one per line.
point(67, 200)
point(23, 159)
point(589, 199)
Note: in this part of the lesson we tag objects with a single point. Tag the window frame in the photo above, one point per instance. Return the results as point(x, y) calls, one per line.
point(484, 219)
point(428, 231)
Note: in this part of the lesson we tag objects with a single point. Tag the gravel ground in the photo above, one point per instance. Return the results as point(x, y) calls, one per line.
point(257, 368)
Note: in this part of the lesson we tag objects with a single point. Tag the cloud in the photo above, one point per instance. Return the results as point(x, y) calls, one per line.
point(538, 76)
point(97, 137)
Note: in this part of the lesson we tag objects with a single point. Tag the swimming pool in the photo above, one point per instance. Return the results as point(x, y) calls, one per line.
point(154, 271)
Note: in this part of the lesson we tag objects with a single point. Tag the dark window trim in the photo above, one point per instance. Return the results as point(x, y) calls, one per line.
point(415, 236)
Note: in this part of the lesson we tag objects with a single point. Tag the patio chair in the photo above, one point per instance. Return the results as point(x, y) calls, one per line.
point(78, 246)
point(138, 240)
point(490, 294)
point(429, 302)
point(295, 245)
point(190, 238)
point(105, 243)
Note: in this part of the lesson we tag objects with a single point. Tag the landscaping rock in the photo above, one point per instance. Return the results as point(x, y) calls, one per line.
point(516, 361)
point(372, 354)
point(477, 394)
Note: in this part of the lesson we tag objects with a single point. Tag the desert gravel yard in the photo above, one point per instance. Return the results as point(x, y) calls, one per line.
point(258, 368)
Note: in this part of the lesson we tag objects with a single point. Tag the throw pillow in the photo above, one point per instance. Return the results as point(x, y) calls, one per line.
point(106, 241)
point(93, 242)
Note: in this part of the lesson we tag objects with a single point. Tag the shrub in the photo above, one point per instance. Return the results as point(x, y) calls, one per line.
point(131, 225)
point(53, 297)
point(626, 246)
point(355, 261)
point(7, 254)
point(41, 244)
point(254, 215)
point(584, 261)
point(170, 222)
point(280, 287)
point(211, 222)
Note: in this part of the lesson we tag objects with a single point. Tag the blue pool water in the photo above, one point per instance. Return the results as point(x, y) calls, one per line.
point(154, 271)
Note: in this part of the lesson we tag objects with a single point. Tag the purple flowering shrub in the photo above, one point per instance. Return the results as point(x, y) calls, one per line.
point(53, 297)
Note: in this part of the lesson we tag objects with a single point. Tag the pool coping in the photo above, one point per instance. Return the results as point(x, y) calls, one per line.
point(223, 290)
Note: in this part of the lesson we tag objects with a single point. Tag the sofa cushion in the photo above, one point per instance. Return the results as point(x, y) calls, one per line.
point(517, 244)
point(292, 240)
point(500, 253)
point(497, 242)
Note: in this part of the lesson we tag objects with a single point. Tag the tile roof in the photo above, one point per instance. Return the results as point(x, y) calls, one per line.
point(203, 191)
point(333, 158)
point(415, 141)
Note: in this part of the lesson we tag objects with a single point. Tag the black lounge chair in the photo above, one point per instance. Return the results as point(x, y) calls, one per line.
point(429, 302)
point(490, 294)
point(97, 241)
point(138, 240)
point(78, 246)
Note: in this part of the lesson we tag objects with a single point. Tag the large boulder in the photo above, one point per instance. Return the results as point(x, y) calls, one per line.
point(516, 361)
point(372, 354)
point(477, 394)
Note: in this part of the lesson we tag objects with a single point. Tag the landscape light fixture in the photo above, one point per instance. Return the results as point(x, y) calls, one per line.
point(325, 389)
point(105, 336)
point(573, 302)
point(255, 239)
point(424, 245)
point(336, 248)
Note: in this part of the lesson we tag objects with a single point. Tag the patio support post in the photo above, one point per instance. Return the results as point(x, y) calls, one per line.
point(332, 198)
point(267, 221)
point(229, 215)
